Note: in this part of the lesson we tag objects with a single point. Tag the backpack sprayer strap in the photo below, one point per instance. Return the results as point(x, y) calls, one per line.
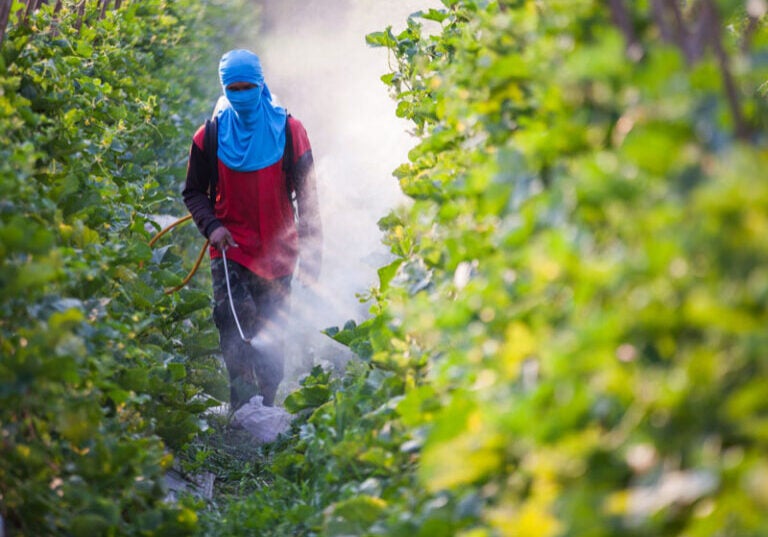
point(210, 149)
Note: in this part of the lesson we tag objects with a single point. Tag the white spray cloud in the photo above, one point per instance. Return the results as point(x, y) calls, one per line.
point(318, 66)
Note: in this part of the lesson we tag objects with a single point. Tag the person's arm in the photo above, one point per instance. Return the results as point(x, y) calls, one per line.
point(195, 192)
point(310, 228)
point(198, 200)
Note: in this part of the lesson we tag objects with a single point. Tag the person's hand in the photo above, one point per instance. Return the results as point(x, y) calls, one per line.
point(221, 238)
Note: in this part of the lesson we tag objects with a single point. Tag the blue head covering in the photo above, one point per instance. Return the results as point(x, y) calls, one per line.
point(251, 128)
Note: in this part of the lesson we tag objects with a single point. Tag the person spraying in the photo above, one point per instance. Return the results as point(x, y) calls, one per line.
point(255, 200)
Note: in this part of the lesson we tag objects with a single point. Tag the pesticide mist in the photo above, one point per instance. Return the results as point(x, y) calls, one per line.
point(319, 67)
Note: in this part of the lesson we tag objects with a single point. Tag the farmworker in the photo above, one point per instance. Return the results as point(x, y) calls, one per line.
point(263, 215)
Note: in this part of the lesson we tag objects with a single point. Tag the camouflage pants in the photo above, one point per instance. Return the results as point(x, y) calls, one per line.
point(261, 306)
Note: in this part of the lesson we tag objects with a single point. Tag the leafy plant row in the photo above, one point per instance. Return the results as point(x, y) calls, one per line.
point(29, 6)
point(102, 375)
point(571, 337)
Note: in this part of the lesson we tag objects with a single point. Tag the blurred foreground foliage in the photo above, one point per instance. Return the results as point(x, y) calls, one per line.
point(101, 373)
point(571, 337)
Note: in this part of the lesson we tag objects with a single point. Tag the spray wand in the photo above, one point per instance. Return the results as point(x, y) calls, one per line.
point(260, 342)
point(229, 295)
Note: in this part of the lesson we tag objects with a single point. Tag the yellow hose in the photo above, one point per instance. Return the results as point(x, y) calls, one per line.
point(168, 228)
point(200, 256)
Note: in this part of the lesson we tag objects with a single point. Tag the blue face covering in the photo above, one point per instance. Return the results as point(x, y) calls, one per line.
point(251, 128)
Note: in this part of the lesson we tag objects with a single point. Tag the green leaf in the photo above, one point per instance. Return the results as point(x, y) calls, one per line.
point(307, 397)
point(353, 515)
point(135, 379)
point(418, 405)
point(84, 49)
point(178, 371)
point(436, 15)
point(380, 39)
point(388, 272)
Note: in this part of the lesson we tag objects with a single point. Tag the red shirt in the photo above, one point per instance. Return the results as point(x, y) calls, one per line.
point(256, 209)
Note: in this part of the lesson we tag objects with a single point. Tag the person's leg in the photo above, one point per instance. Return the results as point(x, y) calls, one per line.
point(262, 309)
point(271, 300)
point(238, 354)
